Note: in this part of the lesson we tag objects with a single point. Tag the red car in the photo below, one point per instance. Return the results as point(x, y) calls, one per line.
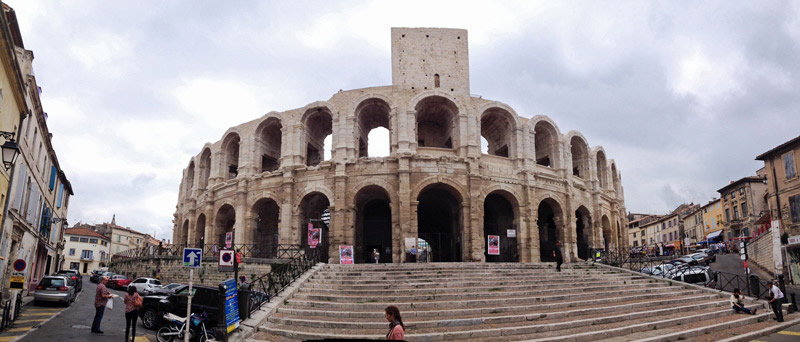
point(119, 282)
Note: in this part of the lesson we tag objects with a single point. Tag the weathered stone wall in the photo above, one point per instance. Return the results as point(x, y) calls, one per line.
point(172, 270)
point(759, 252)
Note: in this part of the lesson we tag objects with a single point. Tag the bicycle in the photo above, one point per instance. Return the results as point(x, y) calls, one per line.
point(177, 328)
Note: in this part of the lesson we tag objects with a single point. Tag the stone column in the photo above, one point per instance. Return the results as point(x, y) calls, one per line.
point(413, 229)
point(288, 210)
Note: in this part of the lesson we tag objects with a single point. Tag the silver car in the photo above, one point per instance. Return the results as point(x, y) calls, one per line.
point(54, 288)
point(145, 285)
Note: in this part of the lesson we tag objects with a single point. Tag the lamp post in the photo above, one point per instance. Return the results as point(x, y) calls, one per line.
point(10, 149)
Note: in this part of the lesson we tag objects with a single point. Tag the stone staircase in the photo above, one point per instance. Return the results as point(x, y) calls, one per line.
point(490, 301)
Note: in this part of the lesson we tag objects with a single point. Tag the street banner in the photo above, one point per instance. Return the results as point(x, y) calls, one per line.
point(228, 239)
point(776, 246)
point(231, 305)
point(493, 243)
point(345, 254)
point(314, 236)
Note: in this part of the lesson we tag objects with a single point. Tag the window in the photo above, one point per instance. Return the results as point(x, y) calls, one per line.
point(140, 281)
point(735, 213)
point(670, 223)
point(733, 194)
point(670, 236)
point(727, 215)
point(788, 165)
point(119, 238)
point(92, 240)
point(741, 191)
point(634, 235)
point(636, 244)
point(117, 249)
point(794, 204)
point(84, 239)
point(73, 239)
point(74, 266)
point(744, 210)
point(72, 251)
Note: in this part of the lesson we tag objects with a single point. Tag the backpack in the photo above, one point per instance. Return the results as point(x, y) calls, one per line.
point(137, 300)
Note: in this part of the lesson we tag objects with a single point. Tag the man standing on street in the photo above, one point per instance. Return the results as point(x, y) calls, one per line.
point(101, 297)
point(776, 300)
point(557, 255)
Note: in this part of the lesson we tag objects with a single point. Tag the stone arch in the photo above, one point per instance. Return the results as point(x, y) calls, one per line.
point(371, 113)
point(579, 150)
point(614, 176)
point(437, 121)
point(501, 213)
point(460, 191)
point(584, 231)
point(230, 152)
point(602, 166)
point(373, 223)
point(440, 221)
point(204, 168)
point(224, 222)
point(263, 227)
point(550, 221)
point(184, 236)
point(498, 126)
point(200, 231)
point(546, 137)
point(268, 142)
point(318, 125)
point(189, 181)
point(311, 208)
point(608, 234)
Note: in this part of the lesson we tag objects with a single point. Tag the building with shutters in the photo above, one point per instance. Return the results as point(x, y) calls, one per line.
point(85, 250)
point(36, 213)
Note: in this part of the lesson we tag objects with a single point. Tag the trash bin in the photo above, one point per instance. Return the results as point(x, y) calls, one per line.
point(755, 286)
point(244, 303)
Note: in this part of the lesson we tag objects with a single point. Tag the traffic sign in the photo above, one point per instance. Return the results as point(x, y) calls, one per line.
point(19, 265)
point(192, 257)
point(226, 260)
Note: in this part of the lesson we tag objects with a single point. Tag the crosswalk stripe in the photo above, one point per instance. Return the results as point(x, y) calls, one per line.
point(8, 338)
point(141, 339)
point(30, 320)
point(40, 314)
point(20, 329)
point(793, 333)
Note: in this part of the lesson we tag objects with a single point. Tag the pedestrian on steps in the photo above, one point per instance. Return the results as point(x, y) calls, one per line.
point(736, 303)
point(376, 255)
point(396, 327)
point(557, 255)
point(101, 297)
point(133, 301)
point(776, 299)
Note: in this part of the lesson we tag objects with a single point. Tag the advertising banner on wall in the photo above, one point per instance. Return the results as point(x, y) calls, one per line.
point(776, 246)
point(493, 243)
point(345, 254)
point(314, 236)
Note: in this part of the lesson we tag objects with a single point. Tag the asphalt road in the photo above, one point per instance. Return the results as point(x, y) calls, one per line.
point(75, 322)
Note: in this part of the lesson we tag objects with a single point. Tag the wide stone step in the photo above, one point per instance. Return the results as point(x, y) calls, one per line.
point(374, 322)
point(598, 303)
point(575, 290)
point(375, 304)
point(402, 272)
point(460, 278)
point(462, 274)
point(449, 265)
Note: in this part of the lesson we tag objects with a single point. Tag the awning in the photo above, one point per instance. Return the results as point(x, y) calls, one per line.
point(714, 235)
point(670, 245)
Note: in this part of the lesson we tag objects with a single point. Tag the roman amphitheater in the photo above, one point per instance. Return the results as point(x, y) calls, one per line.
point(530, 184)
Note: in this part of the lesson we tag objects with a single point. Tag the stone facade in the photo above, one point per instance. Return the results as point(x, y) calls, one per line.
point(266, 179)
point(169, 269)
point(743, 203)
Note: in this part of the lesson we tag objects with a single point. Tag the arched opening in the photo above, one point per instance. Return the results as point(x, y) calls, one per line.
point(371, 115)
point(319, 125)
point(230, 156)
point(499, 217)
point(184, 233)
point(614, 176)
point(200, 231)
point(545, 144)
point(225, 220)
point(583, 230)
point(268, 144)
point(205, 169)
point(602, 170)
point(313, 208)
point(550, 230)
point(437, 123)
point(580, 157)
point(497, 127)
point(373, 225)
point(189, 179)
point(264, 229)
point(608, 236)
point(436, 80)
point(439, 222)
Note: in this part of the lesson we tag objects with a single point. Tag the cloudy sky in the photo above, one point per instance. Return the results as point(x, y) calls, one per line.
point(683, 95)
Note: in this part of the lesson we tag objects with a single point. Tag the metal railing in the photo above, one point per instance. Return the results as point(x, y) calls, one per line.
point(8, 316)
point(269, 251)
point(267, 286)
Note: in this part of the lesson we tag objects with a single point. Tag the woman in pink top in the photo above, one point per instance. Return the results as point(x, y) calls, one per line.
point(396, 327)
point(132, 304)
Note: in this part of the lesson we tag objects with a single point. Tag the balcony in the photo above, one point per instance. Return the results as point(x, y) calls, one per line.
point(87, 257)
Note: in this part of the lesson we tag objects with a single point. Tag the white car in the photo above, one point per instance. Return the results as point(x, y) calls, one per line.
point(143, 285)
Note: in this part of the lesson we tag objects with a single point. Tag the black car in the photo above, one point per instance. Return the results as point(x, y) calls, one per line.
point(205, 298)
point(95, 278)
point(76, 277)
point(163, 290)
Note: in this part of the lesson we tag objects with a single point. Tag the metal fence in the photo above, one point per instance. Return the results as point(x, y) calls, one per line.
point(269, 251)
point(8, 315)
point(267, 286)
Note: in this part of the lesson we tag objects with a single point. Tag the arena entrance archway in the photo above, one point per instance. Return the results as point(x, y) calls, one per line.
point(550, 230)
point(373, 225)
point(499, 217)
point(440, 222)
point(608, 237)
point(225, 219)
point(583, 230)
point(264, 229)
point(200, 231)
point(314, 211)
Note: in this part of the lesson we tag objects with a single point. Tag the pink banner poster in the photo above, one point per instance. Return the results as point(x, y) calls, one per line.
point(345, 254)
point(493, 243)
point(315, 236)
point(311, 236)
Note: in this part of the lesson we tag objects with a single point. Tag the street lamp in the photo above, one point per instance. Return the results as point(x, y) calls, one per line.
point(10, 149)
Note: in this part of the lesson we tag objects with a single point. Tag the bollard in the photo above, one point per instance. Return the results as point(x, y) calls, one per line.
point(755, 286)
point(794, 303)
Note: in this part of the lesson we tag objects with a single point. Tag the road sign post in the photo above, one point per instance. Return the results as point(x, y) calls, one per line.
point(192, 258)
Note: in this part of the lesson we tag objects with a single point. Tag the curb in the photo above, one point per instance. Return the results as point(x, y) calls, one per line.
point(763, 332)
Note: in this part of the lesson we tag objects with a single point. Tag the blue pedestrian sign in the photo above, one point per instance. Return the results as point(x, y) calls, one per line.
point(192, 257)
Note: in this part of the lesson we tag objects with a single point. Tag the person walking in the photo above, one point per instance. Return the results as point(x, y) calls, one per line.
point(736, 303)
point(101, 297)
point(776, 299)
point(557, 255)
point(133, 301)
point(376, 255)
point(396, 327)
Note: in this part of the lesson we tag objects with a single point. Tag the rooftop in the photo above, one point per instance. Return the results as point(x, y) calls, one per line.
point(778, 149)
point(749, 179)
point(84, 232)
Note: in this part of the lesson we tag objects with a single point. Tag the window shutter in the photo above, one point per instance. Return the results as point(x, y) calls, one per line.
point(53, 172)
point(60, 195)
point(20, 186)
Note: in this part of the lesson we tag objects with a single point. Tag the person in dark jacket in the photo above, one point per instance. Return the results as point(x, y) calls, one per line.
point(557, 255)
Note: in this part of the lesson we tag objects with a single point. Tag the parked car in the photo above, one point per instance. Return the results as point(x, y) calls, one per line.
point(143, 285)
point(76, 278)
point(163, 290)
point(205, 298)
point(686, 260)
point(694, 275)
point(95, 278)
point(54, 288)
point(119, 282)
point(703, 258)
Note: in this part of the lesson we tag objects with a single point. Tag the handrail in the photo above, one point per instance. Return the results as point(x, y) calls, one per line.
point(267, 286)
